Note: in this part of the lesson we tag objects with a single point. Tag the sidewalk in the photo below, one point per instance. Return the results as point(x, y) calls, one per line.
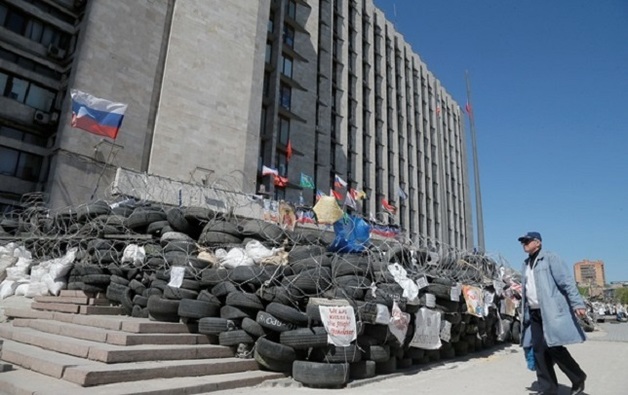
point(503, 372)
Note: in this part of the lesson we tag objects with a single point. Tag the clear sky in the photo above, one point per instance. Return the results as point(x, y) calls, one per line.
point(549, 84)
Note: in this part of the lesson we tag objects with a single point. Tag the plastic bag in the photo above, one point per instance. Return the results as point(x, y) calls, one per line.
point(352, 235)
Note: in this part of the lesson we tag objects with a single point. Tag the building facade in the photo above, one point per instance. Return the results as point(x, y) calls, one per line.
point(590, 273)
point(322, 88)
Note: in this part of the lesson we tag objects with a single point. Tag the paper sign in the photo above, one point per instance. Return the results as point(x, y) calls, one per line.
point(339, 322)
point(422, 282)
point(398, 324)
point(176, 276)
point(475, 300)
point(445, 330)
point(430, 300)
point(427, 330)
point(454, 294)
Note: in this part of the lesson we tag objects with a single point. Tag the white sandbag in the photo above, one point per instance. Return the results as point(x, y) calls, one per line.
point(21, 289)
point(236, 257)
point(134, 254)
point(17, 273)
point(60, 267)
point(36, 289)
point(258, 252)
point(7, 288)
point(54, 286)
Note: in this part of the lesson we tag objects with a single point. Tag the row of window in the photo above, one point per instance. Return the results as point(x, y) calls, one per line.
point(26, 92)
point(32, 28)
point(29, 64)
point(20, 164)
point(26, 137)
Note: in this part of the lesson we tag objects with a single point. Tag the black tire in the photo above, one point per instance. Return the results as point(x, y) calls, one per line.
point(321, 375)
point(334, 354)
point(156, 228)
point(266, 363)
point(95, 279)
point(217, 238)
point(192, 308)
point(140, 300)
point(233, 338)
point(161, 309)
point(137, 286)
point(377, 353)
point(222, 227)
point(212, 277)
point(362, 370)
point(275, 351)
point(233, 313)
point(304, 338)
point(287, 314)
point(214, 325)
point(304, 252)
point(386, 367)
point(255, 275)
point(179, 293)
point(223, 289)
point(177, 221)
point(244, 300)
point(252, 327)
point(205, 296)
point(270, 322)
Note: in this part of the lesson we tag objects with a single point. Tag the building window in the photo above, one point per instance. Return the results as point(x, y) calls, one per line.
point(288, 36)
point(269, 52)
point(26, 92)
point(285, 96)
point(266, 84)
point(20, 164)
point(291, 9)
point(18, 135)
point(286, 67)
point(282, 164)
point(271, 23)
point(284, 130)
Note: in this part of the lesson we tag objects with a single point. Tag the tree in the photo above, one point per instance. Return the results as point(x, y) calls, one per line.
point(621, 295)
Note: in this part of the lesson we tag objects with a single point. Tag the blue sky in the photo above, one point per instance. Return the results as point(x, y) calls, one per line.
point(549, 86)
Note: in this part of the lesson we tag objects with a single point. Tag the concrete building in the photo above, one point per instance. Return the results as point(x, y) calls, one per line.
point(589, 273)
point(219, 88)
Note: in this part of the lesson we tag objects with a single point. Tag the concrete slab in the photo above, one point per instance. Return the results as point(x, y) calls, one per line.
point(39, 360)
point(132, 339)
point(102, 310)
point(62, 299)
point(124, 372)
point(49, 341)
point(143, 325)
point(23, 381)
point(16, 312)
point(110, 354)
point(65, 308)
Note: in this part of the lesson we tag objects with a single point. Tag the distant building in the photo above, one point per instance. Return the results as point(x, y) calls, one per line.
point(589, 273)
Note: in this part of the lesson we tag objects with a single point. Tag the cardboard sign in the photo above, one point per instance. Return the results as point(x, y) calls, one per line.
point(422, 282)
point(339, 322)
point(445, 331)
point(475, 300)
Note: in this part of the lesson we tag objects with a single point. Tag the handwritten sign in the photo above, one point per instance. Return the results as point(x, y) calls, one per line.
point(422, 282)
point(445, 330)
point(427, 330)
point(339, 322)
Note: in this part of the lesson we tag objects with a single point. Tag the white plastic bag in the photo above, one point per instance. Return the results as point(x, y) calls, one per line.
point(134, 254)
point(236, 257)
point(398, 324)
point(7, 288)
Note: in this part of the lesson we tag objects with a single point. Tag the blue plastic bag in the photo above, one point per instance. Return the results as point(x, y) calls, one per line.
point(529, 354)
point(352, 235)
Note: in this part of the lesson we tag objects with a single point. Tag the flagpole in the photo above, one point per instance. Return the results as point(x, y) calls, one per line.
point(476, 169)
point(103, 169)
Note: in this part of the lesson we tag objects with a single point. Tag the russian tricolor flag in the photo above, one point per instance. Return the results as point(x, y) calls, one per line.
point(95, 115)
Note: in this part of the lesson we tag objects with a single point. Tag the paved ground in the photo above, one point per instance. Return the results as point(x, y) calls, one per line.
point(503, 371)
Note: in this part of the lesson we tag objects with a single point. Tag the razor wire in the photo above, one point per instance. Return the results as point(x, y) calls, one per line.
point(50, 233)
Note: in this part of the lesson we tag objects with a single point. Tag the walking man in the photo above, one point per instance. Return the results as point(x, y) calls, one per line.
point(550, 304)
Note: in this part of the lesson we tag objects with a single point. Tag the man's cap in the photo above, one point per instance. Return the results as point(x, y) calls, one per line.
point(530, 236)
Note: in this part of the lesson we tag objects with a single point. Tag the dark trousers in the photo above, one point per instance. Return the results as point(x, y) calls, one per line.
point(546, 357)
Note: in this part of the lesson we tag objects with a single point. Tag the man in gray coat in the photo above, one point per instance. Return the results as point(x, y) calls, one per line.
point(550, 304)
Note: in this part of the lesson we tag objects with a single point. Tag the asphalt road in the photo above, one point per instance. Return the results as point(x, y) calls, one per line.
point(501, 371)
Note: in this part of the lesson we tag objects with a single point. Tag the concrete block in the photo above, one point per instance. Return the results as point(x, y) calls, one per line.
point(26, 313)
point(104, 322)
point(39, 360)
point(133, 339)
point(149, 352)
point(146, 326)
point(52, 342)
point(65, 308)
point(70, 330)
point(61, 299)
point(101, 310)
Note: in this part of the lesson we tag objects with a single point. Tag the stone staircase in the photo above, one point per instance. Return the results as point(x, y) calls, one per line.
point(60, 353)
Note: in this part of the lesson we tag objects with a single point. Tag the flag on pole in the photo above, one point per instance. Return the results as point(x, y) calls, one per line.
point(280, 181)
point(335, 194)
point(319, 194)
point(469, 110)
point(350, 202)
point(357, 195)
point(339, 182)
point(388, 207)
point(289, 150)
point(268, 171)
point(95, 115)
point(402, 194)
point(307, 181)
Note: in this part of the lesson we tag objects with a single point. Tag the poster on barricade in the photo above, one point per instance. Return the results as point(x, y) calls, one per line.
point(427, 330)
point(339, 322)
point(475, 300)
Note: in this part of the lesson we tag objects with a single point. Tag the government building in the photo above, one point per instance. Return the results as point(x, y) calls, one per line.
point(219, 89)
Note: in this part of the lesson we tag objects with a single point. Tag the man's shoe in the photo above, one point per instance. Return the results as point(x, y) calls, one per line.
point(577, 388)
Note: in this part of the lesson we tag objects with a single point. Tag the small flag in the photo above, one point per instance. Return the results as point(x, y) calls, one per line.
point(305, 217)
point(95, 115)
point(280, 181)
point(402, 194)
point(339, 182)
point(357, 195)
point(319, 194)
point(350, 202)
point(307, 181)
point(469, 109)
point(335, 194)
point(289, 150)
point(268, 171)
point(388, 207)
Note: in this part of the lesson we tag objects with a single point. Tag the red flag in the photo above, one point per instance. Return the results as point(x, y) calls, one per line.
point(289, 150)
point(335, 194)
point(469, 109)
point(281, 181)
point(388, 207)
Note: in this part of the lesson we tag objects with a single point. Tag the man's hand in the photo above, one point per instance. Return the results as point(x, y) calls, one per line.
point(581, 312)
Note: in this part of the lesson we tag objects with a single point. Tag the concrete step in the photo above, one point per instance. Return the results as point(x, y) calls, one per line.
point(90, 373)
point(22, 381)
point(110, 336)
point(110, 353)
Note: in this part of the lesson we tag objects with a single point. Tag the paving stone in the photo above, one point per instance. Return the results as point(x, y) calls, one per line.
point(103, 310)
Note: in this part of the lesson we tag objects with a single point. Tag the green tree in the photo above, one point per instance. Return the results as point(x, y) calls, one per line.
point(621, 295)
point(584, 291)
